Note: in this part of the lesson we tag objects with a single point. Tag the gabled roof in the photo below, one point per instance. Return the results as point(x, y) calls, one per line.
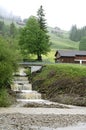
point(70, 53)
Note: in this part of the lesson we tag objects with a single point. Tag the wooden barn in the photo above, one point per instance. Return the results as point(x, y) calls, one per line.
point(70, 56)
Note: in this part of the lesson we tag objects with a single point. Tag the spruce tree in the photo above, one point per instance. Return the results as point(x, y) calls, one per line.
point(41, 19)
point(42, 24)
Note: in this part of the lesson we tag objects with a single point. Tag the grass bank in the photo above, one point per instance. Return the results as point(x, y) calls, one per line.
point(64, 83)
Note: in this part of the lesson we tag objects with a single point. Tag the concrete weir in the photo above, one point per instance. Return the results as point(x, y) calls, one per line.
point(23, 88)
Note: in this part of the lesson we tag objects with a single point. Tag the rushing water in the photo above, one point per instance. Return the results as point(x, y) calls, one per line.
point(23, 88)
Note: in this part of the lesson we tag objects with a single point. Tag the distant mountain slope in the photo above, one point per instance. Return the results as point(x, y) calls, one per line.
point(9, 21)
point(60, 39)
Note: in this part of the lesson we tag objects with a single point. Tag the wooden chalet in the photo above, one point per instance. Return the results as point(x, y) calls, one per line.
point(70, 56)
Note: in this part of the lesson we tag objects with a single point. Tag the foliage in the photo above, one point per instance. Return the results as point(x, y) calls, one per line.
point(33, 40)
point(82, 44)
point(8, 63)
point(5, 99)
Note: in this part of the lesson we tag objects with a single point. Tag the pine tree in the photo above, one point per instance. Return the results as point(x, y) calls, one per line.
point(41, 19)
point(42, 24)
point(12, 30)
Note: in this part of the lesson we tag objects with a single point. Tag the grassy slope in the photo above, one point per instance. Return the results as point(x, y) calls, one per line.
point(62, 42)
point(64, 83)
point(59, 43)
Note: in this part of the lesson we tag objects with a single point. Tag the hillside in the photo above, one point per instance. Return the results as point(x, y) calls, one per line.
point(58, 40)
point(9, 21)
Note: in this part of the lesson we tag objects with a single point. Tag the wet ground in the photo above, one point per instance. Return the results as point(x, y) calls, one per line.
point(17, 121)
point(80, 126)
point(22, 118)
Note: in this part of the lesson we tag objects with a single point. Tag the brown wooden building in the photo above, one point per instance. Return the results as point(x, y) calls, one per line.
point(70, 56)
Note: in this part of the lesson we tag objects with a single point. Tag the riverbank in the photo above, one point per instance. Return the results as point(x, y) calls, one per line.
point(40, 118)
point(63, 83)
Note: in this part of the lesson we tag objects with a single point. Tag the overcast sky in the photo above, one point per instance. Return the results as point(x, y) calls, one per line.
point(61, 13)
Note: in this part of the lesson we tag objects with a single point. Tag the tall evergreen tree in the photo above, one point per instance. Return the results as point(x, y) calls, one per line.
point(41, 19)
point(42, 23)
point(74, 33)
point(12, 30)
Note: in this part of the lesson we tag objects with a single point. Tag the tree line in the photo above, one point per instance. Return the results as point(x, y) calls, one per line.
point(8, 30)
point(78, 35)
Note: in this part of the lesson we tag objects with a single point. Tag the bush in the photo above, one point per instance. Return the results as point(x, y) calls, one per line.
point(5, 98)
point(8, 63)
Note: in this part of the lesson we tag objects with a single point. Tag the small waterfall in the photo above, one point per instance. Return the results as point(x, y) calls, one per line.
point(23, 88)
point(26, 96)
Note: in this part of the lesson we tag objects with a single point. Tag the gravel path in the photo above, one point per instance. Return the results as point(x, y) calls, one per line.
point(40, 118)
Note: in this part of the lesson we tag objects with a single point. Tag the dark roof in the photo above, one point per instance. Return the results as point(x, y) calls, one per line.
point(70, 53)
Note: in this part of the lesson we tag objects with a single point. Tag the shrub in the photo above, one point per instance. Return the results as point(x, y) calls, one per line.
point(5, 98)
